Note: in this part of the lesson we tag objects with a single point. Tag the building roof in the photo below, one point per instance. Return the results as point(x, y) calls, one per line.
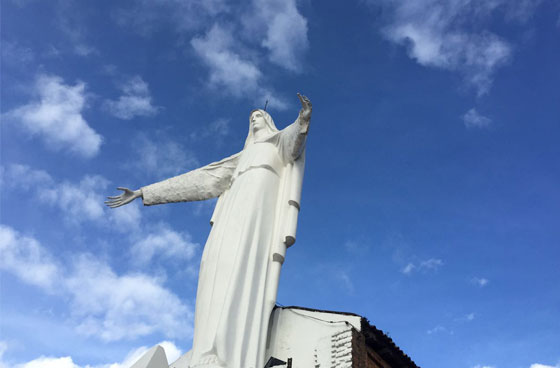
point(376, 339)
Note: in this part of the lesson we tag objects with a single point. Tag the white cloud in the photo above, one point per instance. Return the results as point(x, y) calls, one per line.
point(408, 268)
point(83, 49)
point(538, 365)
point(345, 279)
point(71, 20)
point(160, 156)
point(432, 264)
point(56, 117)
point(439, 329)
point(171, 351)
point(47, 362)
point(146, 16)
point(216, 129)
point(126, 217)
point(103, 303)
point(443, 35)
point(229, 70)
point(135, 100)
point(24, 257)
point(23, 177)
point(484, 366)
point(164, 243)
point(3, 348)
point(286, 31)
point(256, 31)
point(480, 281)
point(473, 119)
point(115, 307)
point(79, 202)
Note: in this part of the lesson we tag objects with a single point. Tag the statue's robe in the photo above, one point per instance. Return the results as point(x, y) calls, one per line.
point(254, 222)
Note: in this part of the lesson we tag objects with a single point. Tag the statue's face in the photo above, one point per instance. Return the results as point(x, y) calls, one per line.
point(257, 121)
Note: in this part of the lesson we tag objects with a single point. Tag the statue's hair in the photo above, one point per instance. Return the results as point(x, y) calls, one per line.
point(269, 124)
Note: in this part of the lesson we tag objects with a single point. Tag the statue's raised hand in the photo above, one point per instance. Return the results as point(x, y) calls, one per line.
point(306, 107)
point(126, 197)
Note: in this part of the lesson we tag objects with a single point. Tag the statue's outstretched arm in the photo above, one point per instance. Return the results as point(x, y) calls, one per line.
point(204, 183)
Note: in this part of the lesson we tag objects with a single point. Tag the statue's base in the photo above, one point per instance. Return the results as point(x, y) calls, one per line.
point(308, 338)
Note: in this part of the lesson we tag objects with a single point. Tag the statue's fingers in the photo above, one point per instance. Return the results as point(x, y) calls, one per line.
point(114, 197)
point(123, 189)
point(116, 200)
point(300, 98)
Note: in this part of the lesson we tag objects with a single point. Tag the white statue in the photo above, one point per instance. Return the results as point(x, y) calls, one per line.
point(253, 223)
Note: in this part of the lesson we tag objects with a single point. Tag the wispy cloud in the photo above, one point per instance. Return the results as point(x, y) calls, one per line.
point(24, 257)
point(356, 246)
point(407, 270)
point(439, 329)
point(17, 176)
point(78, 202)
point(451, 35)
point(103, 303)
point(147, 16)
point(229, 70)
point(135, 100)
point(480, 281)
point(217, 130)
point(15, 54)
point(473, 119)
point(483, 366)
point(160, 156)
point(165, 243)
point(241, 41)
point(285, 37)
point(70, 20)
point(3, 348)
point(432, 264)
point(466, 318)
point(345, 279)
point(56, 116)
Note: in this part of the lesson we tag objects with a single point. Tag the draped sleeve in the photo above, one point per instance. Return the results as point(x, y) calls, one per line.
point(291, 140)
point(204, 183)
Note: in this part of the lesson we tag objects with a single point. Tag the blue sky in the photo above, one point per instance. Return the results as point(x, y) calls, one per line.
point(430, 203)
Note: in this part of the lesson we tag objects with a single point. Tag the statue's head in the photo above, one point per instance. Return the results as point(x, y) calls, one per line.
point(260, 120)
